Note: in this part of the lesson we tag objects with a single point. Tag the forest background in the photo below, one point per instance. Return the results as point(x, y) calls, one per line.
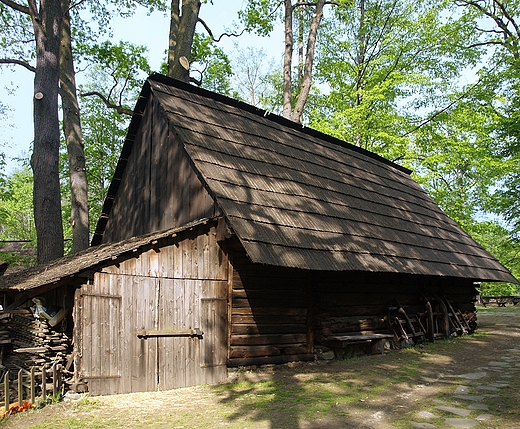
point(431, 85)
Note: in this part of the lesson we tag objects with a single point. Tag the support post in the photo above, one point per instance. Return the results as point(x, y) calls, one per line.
point(33, 387)
point(44, 384)
point(6, 391)
point(20, 387)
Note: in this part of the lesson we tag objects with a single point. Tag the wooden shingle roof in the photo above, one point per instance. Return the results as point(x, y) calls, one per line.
point(298, 198)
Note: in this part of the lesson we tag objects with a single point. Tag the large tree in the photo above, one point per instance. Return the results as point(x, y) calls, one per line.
point(46, 19)
point(79, 218)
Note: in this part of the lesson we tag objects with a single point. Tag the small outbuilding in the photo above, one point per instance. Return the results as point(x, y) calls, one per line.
point(231, 236)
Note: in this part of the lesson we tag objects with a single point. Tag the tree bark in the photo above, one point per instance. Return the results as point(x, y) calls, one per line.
point(287, 61)
point(74, 138)
point(305, 88)
point(44, 161)
point(182, 31)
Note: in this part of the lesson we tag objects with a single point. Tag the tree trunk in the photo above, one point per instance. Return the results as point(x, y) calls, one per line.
point(360, 81)
point(182, 31)
point(305, 88)
point(301, 45)
point(74, 138)
point(287, 61)
point(45, 157)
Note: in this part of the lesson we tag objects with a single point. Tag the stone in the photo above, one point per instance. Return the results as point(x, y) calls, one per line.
point(473, 375)
point(461, 423)
point(457, 411)
point(461, 390)
point(501, 364)
point(483, 417)
point(327, 355)
point(470, 397)
point(482, 407)
point(427, 415)
point(488, 388)
point(422, 425)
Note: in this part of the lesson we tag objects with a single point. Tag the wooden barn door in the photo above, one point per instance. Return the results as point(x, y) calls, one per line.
point(192, 305)
point(118, 358)
point(100, 321)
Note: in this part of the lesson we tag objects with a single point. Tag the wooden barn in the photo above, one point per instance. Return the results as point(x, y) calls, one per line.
point(231, 236)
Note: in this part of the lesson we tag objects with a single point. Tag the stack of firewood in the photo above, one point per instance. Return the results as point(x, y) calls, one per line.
point(34, 342)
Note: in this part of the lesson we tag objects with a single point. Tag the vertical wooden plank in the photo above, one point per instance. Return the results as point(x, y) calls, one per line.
point(100, 336)
point(175, 179)
point(114, 341)
point(128, 336)
point(178, 256)
point(139, 345)
point(166, 345)
point(193, 292)
point(145, 368)
point(163, 176)
point(154, 194)
point(179, 346)
point(153, 261)
point(88, 343)
point(204, 269)
point(186, 259)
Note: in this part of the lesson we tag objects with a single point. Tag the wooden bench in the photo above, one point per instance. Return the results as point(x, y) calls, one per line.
point(341, 341)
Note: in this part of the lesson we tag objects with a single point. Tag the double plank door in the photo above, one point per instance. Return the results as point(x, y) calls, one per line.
point(116, 310)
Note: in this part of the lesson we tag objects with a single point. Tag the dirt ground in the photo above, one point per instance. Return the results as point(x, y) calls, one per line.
point(386, 391)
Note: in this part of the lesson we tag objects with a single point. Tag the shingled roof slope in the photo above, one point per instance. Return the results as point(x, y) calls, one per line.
point(298, 198)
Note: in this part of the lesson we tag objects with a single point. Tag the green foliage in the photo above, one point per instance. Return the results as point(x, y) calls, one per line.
point(16, 215)
point(381, 62)
point(16, 209)
point(104, 131)
point(457, 162)
point(120, 68)
point(499, 93)
point(16, 34)
point(505, 247)
point(260, 15)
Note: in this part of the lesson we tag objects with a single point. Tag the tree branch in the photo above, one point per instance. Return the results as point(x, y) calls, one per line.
point(119, 109)
point(210, 33)
point(18, 62)
point(16, 6)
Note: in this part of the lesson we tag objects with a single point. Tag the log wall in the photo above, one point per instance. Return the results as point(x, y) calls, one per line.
point(359, 302)
point(269, 314)
point(280, 314)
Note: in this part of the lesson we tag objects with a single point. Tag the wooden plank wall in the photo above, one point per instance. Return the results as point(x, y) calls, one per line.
point(159, 188)
point(179, 286)
point(269, 314)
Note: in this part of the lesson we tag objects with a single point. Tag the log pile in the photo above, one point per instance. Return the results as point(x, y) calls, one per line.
point(27, 341)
